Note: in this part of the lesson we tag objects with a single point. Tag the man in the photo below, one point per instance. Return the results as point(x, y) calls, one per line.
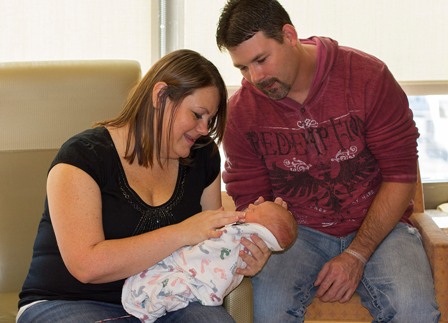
point(329, 130)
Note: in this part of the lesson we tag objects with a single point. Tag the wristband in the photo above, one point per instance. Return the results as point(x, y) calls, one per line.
point(356, 255)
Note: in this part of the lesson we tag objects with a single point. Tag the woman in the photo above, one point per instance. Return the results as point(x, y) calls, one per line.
point(124, 195)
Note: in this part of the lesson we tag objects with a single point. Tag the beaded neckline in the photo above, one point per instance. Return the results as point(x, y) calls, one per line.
point(153, 217)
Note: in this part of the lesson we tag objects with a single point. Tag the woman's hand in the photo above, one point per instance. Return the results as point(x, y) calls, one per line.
point(204, 225)
point(255, 254)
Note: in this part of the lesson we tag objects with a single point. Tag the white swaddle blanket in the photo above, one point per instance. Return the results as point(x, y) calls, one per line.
point(204, 272)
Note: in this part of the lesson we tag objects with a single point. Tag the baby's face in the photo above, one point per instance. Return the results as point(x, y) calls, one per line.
point(256, 213)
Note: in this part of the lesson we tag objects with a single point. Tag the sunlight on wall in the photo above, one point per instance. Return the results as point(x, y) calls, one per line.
point(410, 36)
point(76, 29)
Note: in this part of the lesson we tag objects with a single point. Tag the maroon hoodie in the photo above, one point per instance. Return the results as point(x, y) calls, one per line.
point(328, 156)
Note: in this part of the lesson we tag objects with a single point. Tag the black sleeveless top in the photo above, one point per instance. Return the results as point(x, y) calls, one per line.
point(124, 214)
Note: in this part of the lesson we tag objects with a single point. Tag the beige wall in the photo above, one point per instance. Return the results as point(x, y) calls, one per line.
point(411, 36)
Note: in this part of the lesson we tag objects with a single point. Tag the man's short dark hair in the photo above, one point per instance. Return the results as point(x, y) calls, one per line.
point(241, 19)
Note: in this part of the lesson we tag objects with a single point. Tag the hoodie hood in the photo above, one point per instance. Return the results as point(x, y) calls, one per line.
point(327, 51)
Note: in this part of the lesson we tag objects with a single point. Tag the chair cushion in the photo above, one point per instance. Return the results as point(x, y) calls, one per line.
point(8, 307)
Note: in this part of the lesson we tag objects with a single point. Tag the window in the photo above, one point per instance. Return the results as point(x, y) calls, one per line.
point(431, 117)
point(79, 29)
point(429, 103)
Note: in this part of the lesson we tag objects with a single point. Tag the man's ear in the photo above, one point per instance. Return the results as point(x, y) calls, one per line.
point(290, 34)
point(159, 86)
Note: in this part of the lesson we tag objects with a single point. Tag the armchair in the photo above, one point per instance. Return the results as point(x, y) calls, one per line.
point(435, 242)
point(41, 105)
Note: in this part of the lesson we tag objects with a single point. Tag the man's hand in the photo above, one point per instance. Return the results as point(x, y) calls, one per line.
point(278, 200)
point(255, 255)
point(339, 278)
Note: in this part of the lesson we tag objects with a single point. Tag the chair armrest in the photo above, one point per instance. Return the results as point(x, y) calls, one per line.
point(239, 303)
point(8, 307)
point(435, 242)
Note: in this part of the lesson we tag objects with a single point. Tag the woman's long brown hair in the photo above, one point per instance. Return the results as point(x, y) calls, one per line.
point(184, 71)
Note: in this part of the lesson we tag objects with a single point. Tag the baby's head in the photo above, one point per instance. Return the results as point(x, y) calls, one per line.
point(276, 219)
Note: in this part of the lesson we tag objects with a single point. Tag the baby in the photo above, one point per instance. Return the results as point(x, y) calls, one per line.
point(206, 272)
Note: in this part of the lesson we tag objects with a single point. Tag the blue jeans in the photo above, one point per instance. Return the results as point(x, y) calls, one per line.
point(397, 284)
point(91, 312)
